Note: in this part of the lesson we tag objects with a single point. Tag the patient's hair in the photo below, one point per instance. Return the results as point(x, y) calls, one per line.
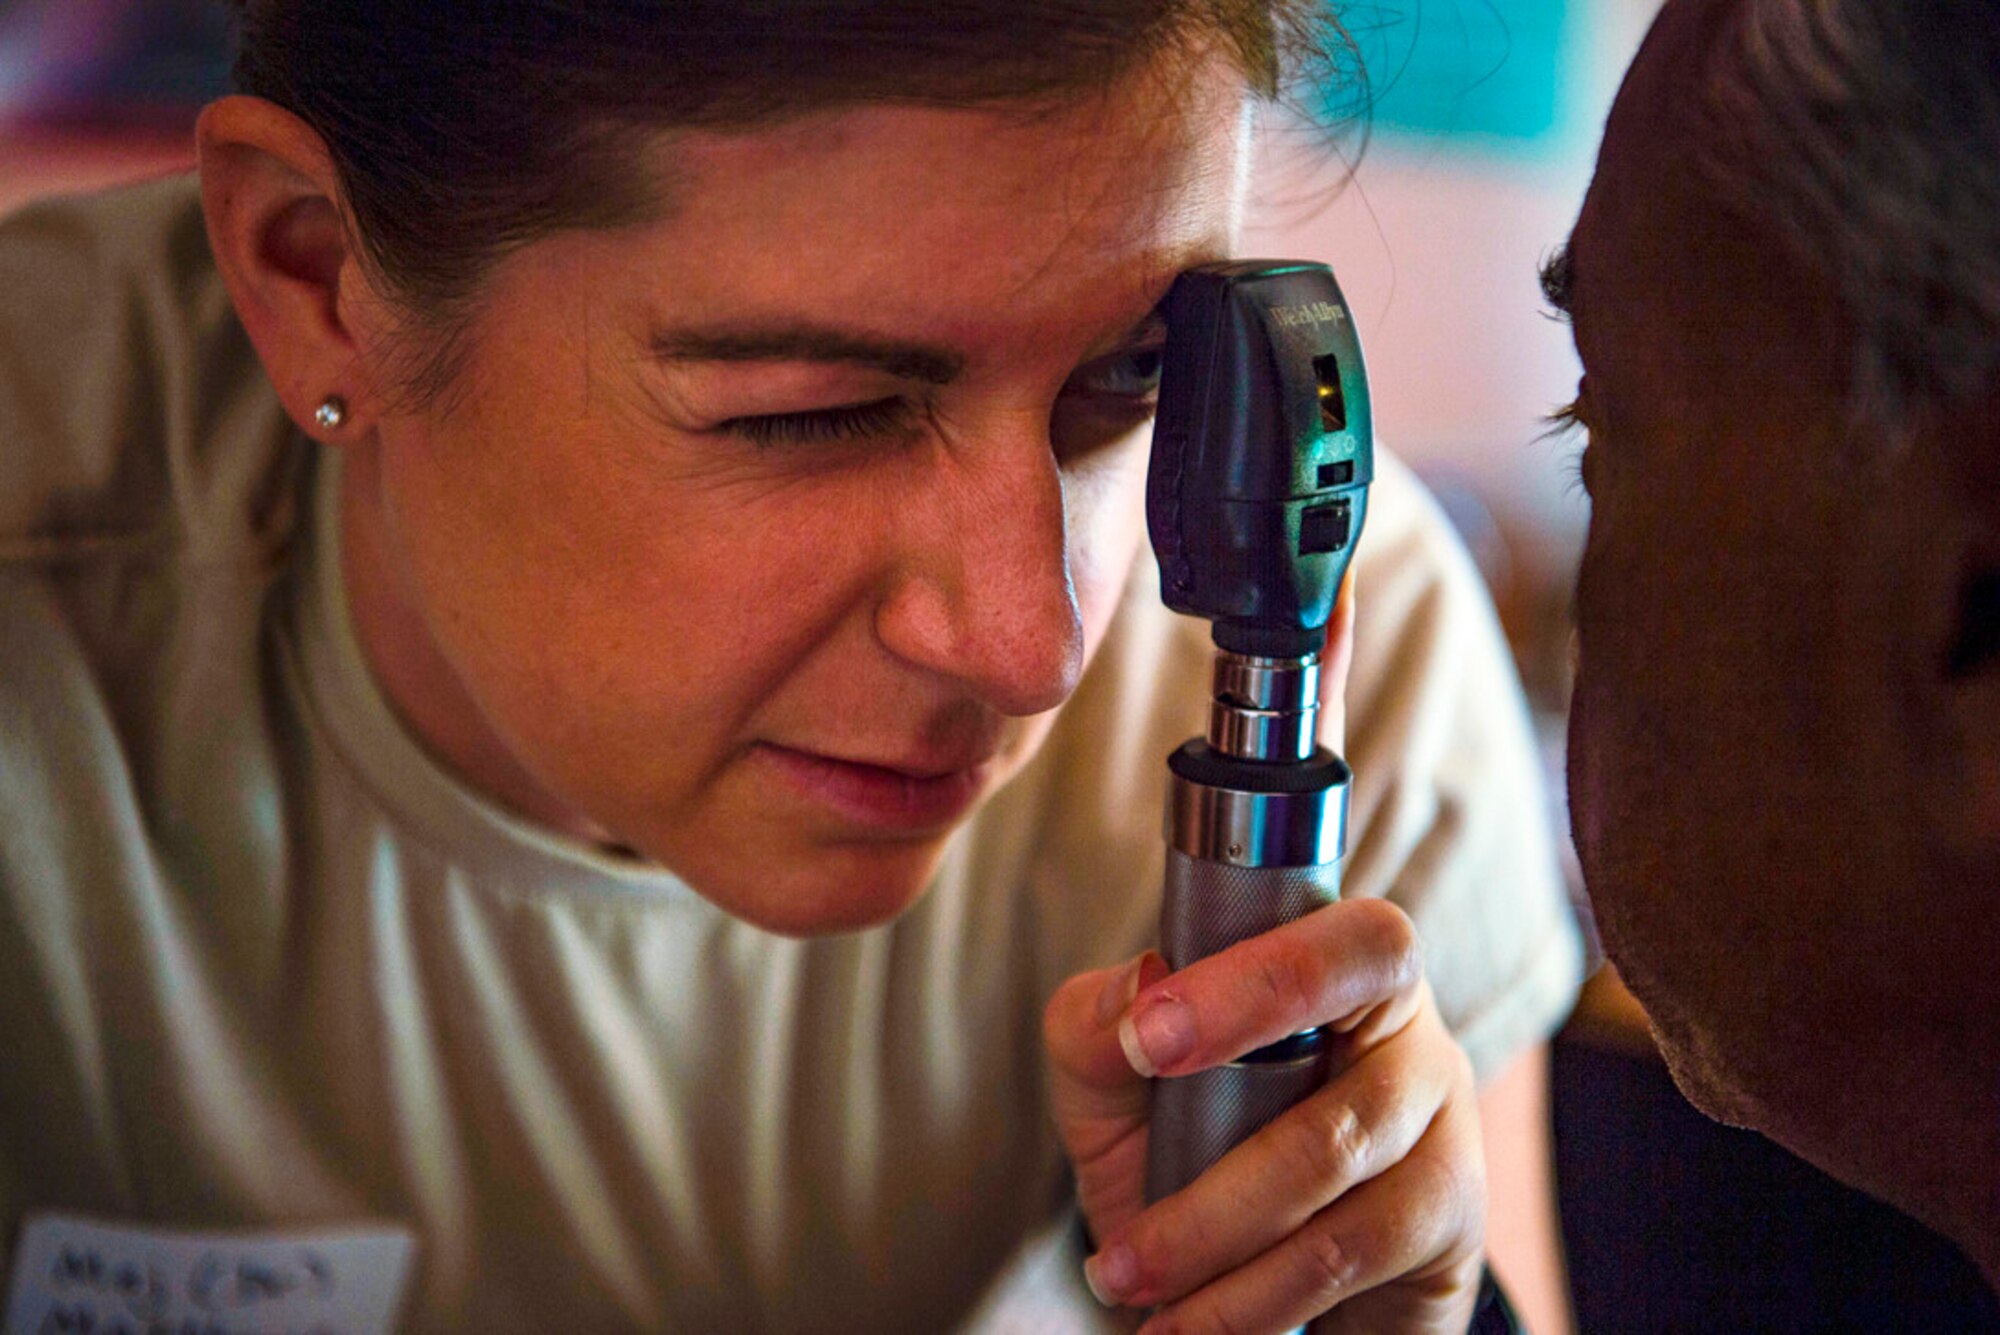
point(1867, 132)
point(464, 130)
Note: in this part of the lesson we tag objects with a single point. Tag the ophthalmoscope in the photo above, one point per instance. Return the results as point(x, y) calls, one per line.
point(1263, 451)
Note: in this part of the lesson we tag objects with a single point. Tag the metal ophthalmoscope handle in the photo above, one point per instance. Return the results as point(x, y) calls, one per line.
point(1258, 487)
point(1241, 861)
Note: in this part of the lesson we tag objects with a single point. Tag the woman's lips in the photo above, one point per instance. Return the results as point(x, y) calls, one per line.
point(881, 796)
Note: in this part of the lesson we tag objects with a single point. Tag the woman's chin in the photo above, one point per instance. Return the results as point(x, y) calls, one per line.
point(823, 892)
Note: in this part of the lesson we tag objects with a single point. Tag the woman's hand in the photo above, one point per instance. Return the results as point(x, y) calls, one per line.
point(1366, 1201)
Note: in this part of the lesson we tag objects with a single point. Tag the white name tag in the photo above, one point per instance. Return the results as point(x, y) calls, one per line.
point(79, 1277)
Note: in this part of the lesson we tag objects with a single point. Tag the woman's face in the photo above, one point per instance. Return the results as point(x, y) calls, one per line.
point(764, 539)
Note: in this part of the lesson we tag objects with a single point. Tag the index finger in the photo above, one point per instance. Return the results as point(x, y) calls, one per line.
point(1335, 663)
point(1350, 964)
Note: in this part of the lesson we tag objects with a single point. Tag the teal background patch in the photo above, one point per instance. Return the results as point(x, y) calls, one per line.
point(1475, 72)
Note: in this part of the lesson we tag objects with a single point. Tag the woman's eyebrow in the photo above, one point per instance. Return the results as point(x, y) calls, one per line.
point(928, 362)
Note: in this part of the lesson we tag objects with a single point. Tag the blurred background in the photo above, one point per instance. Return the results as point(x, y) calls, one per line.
point(1436, 210)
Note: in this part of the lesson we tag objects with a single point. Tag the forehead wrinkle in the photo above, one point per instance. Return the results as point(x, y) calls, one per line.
point(1127, 211)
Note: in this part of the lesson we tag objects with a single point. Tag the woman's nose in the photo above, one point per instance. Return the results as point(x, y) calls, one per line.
point(981, 590)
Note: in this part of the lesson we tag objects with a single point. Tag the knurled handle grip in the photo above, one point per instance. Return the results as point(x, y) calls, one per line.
point(1201, 1117)
point(1208, 906)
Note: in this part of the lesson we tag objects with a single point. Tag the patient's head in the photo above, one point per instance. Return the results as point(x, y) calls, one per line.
point(1785, 752)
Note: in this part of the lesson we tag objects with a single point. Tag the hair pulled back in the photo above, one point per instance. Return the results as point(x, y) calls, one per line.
point(461, 131)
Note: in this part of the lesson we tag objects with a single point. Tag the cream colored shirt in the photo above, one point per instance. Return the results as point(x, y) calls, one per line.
point(263, 963)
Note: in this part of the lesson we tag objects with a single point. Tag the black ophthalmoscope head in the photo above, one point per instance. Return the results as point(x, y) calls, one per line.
point(1262, 453)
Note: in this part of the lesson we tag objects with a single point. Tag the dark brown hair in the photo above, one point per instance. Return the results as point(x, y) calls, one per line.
point(463, 130)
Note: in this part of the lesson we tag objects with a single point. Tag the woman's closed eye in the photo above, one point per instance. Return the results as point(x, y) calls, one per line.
point(1124, 386)
point(878, 417)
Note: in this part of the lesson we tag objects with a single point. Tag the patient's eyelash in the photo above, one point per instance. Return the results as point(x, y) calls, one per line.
point(1563, 421)
point(1562, 425)
point(1558, 275)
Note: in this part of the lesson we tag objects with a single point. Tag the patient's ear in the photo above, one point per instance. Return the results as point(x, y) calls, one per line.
point(278, 226)
point(1966, 438)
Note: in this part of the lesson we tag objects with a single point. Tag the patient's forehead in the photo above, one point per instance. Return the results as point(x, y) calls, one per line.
point(1685, 306)
point(1648, 164)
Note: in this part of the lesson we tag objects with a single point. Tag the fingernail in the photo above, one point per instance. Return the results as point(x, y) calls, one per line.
point(1118, 992)
point(1157, 1036)
point(1111, 1274)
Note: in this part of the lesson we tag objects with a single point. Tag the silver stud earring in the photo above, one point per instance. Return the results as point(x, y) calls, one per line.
point(332, 411)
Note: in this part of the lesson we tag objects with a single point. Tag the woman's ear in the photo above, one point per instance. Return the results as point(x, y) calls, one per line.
point(278, 227)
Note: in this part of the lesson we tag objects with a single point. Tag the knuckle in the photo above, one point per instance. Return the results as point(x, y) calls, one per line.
point(1224, 1322)
point(1169, 1247)
point(1391, 930)
point(1334, 1142)
point(1385, 933)
point(1287, 977)
point(1327, 1267)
